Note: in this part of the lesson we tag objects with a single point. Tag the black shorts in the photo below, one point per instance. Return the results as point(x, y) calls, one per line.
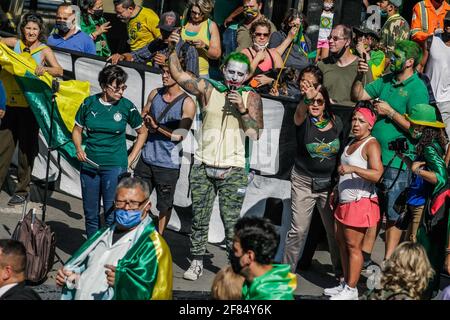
point(163, 179)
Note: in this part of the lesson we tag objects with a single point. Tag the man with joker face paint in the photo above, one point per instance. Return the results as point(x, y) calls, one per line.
point(397, 92)
point(231, 112)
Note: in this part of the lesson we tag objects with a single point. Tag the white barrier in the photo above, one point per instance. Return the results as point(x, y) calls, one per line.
point(264, 159)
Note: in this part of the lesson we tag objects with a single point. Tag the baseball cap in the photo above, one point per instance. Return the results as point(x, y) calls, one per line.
point(169, 21)
point(396, 3)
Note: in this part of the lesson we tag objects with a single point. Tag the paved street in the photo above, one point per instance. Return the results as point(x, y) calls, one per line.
point(64, 215)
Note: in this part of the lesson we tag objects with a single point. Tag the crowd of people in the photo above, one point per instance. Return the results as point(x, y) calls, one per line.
point(381, 161)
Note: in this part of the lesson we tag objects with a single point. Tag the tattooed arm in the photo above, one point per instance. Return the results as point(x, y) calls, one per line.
point(252, 116)
point(200, 88)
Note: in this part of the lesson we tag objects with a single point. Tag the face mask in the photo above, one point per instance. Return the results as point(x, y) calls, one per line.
point(235, 262)
point(63, 26)
point(260, 47)
point(250, 13)
point(128, 218)
point(235, 73)
point(415, 134)
point(383, 13)
point(98, 13)
point(328, 6)
point(334, 57)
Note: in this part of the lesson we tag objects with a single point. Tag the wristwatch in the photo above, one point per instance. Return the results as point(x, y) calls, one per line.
point(244, 113)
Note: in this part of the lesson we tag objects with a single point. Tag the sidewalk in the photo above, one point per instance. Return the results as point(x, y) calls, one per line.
point(64, 215)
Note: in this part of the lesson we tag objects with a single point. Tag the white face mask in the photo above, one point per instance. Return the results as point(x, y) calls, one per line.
point(328, 6)
point(235, 73)
point(260, 47)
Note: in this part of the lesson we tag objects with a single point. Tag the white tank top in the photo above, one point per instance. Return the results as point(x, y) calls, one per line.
point(438, 70)
point(351, 186)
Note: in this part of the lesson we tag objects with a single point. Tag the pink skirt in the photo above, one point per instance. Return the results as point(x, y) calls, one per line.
point(364, 213)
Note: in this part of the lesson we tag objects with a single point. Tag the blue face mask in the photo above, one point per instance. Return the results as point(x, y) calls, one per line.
point(128, 218)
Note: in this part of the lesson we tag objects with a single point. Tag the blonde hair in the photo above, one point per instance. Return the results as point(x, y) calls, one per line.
point(408, 270)
point(227, 285)
point(205, 6)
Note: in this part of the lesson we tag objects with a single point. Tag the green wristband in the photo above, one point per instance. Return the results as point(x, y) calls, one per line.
point(307, 101)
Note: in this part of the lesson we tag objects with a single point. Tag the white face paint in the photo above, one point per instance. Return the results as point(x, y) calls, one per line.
point(235, 73)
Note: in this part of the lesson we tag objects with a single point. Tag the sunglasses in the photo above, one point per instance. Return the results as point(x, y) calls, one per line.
point(335, 38)
point(26, 49)
point(258, 34)
point(318, 102)
point(121, 88)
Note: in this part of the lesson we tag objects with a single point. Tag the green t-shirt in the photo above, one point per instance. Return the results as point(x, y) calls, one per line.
point(105, 125)
point(339, 80)
point(401, 96)
point(101, 42)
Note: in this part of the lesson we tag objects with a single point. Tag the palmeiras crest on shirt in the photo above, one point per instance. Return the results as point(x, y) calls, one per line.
point(117, 116)
point(323, 150)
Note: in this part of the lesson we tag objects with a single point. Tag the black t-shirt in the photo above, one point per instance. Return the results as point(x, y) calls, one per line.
point(318, 151)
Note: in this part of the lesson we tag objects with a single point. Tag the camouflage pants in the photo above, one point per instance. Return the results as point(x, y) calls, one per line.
point(204, 190)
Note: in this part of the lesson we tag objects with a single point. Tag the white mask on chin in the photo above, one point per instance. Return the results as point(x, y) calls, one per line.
point(260, 47)
point(235, 73)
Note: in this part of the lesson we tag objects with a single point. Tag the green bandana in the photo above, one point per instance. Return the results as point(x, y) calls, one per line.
point(221, 87)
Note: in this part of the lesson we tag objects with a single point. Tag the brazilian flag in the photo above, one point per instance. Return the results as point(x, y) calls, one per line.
point(23, 88)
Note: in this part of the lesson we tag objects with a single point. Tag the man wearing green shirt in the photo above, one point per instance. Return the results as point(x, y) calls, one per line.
point(254, 248)
point(397, 92)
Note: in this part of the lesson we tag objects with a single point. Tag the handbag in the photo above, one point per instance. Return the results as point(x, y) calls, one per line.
point(405, 215)
point(321, 184)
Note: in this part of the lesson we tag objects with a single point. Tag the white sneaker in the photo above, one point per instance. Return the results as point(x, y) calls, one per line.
point(334, 290)
point(346, 294)
point(194, 271)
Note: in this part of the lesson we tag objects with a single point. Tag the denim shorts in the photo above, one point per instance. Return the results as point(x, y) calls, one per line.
point(387, 199)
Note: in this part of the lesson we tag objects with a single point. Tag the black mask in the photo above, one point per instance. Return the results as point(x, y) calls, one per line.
point(334, 57)
point(98, 13)
point(235, 262)
point(62, 27)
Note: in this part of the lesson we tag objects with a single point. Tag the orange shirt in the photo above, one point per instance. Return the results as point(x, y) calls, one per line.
point(426, 19)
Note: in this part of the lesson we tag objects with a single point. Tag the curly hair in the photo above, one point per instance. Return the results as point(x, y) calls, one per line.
point(227, 285)
point(262, 22)
point(258, 235)
point(36, 18)
point(408, 270)
point(430, 134)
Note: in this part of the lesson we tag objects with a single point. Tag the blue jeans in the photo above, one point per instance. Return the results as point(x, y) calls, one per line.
point(387, 199)
point(98, 184)
point(229, 41)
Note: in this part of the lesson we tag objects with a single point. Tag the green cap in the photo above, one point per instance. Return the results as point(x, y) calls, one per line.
point(424, 115)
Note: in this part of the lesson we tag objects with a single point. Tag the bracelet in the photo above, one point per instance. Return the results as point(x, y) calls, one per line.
point(307, 101)
point(243, 113)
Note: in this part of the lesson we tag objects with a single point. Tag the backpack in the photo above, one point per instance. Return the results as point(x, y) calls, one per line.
point(40, 244)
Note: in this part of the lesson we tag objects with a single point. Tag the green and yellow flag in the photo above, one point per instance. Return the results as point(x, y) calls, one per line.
point(36, 92)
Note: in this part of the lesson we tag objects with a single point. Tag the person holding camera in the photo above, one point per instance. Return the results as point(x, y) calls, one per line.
point(357, 209)
point(396, 93)
point(429, 180)
point(319, 142)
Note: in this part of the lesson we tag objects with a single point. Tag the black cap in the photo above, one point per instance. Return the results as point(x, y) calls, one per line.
point(169, 21)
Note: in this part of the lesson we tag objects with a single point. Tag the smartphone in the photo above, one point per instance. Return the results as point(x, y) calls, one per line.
point(92, 163)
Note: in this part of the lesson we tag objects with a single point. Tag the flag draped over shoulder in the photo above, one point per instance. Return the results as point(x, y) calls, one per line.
point(143, 273)
point(38, 94)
